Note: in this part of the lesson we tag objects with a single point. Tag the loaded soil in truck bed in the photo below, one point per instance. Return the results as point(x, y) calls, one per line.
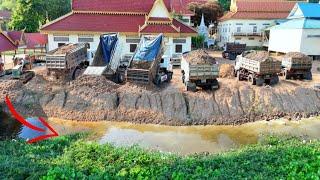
point(199, 57)
point(258, 55)
point(64, 49)
point(141, 64)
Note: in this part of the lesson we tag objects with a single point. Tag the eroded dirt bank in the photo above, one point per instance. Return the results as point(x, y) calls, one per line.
point(95, 99)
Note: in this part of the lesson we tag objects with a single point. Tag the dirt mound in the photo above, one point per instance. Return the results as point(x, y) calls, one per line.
point(98, 84)
point(258, 55)
point(226, 71)
point(296, 55)
point(64, 49)
point(199, 57)
point(141, 64)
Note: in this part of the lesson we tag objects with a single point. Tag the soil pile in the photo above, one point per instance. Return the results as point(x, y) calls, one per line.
point(258, 55)
point(64, 49)
point(98, 84)
point(296, 55)
point(226, 71)
point(199, 57)
point(9, 87)
point(141, 64)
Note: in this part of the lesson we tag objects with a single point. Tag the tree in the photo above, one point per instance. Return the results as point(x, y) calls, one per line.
point(27, 15)
point(225, 4)
point(31, 14)
point(7, 4)
point(211, 11)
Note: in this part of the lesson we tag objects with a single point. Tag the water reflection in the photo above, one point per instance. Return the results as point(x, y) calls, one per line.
point(12, 129)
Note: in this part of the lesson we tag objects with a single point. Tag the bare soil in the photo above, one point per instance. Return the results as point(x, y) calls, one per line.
point(199, 57)
point(97, 99)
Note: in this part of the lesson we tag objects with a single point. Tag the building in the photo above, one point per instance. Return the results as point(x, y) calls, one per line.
point(301, 33)
point(6, 44)
point(5, 17)
point(248, 18)
point(130, 18)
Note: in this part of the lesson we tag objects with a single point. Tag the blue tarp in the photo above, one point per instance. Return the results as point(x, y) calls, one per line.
point(108, 43)
point(148, 50)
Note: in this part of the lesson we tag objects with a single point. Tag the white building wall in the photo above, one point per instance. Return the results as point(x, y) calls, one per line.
point(73, 38)
point(310, 44)
point(227, 30)
point(285, 40)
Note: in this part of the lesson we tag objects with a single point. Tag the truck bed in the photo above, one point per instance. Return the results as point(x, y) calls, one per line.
point(269, 66)
point(297, 63)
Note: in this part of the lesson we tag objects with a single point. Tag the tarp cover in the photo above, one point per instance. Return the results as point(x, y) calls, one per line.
point(148, 50)
point(108, 43)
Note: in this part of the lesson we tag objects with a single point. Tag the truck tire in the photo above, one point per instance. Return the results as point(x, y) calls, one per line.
point(76, 73)
point(274, 80)
point(170, 74)
point(158, 80)
point(183, 78)
point(224, 55)
point(239, 76)
point(191, 87)
point(252, 80)
point(287, 75)
point(259, 81)
point(118, 78)
point(215, 85)
point(308, 76)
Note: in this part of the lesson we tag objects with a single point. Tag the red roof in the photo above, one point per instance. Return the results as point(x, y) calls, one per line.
point(6, 44)
point(35, 39)
point(137, 6)
point(15, 36)
point(106, 23)
point(159, 28)
point(261, 10)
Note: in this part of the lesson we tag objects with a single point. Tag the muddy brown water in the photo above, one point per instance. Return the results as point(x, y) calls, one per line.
point(180, 140)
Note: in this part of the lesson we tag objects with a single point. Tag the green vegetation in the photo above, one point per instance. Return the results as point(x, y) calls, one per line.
point(31, 14)
point(72, 157)
point(198, 41)
point(7, 4)
point(225, 4)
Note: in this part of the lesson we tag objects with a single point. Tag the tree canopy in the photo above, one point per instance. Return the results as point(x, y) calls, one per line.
point(225, 4)
point(7, 4)
point(31, 14)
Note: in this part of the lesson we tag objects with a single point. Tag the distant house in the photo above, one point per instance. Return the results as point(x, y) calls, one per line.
point(5, 17)
point(131, 18)
point(248, 18)
point(301, 33)
point(6, 44)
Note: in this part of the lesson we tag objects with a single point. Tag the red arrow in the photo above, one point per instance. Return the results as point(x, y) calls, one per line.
point(18, 117)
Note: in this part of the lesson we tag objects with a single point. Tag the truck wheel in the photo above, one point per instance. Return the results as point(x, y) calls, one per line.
point(259, 81)
point(76, 73)
point(119, 78)
point(183, 78)
point(158, 80)
point(215, 85)
point(274, 80)
point(252, 80)
point(170, 74)
point(191, 87)
point(286, 75)
point(224, 55)
point(239, 76)
point(308, 76)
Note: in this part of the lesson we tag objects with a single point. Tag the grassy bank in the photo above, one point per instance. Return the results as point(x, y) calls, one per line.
point(72, 157)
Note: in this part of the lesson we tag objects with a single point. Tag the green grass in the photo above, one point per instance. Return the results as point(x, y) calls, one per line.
point(72, 157)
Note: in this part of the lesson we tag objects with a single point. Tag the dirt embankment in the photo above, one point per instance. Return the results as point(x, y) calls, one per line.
point(95, 99)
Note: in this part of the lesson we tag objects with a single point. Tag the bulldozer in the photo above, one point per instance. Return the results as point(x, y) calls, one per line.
point(23, 72)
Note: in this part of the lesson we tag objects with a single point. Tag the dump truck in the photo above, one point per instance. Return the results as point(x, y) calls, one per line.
point(67, 61)
point(232, 50)
point(198, 68)
point(296, 65)
point(148, 64)
point(107, 59)
point(258, 68)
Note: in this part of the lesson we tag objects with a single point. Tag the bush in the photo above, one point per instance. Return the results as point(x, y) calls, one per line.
point(72, 157)
point(198, 41)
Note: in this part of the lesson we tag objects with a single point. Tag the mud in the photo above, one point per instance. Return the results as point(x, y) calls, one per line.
point(96, 99)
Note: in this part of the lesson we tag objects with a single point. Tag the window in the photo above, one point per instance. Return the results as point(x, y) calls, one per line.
point(133, 40)
point(251, 38)
point(179, 41)
point(238, 29)
point(61, 44)
point(85, 38)
point(64, 38)
point(239, 24)
point(266, 24)
point(255, 29)
point(133, 48)
point(179, 48)
point(238, 38)
point(252, 24)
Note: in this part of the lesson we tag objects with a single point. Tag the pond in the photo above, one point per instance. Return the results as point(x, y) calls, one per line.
point(180, 140)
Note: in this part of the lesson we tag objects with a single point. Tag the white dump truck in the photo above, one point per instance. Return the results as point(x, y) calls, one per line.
point(67, 61)
point(258, 68)
point(107, 59)
point(297, 65)
point(198, 68)
point(148, 64)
